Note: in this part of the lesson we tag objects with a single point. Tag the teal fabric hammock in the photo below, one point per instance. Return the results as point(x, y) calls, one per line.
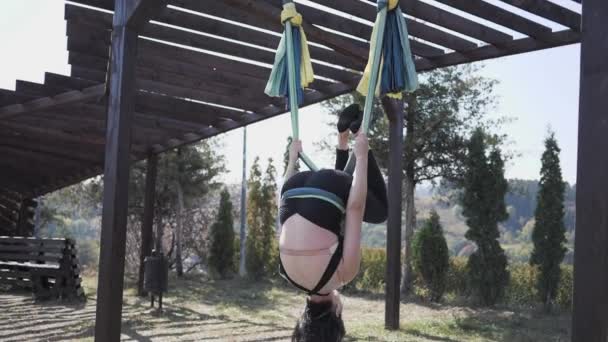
point(390, 61)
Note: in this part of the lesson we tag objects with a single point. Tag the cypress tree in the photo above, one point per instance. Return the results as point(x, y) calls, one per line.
point(549, 234)
point(221, 234)
point(431, 257)
point(483, 205)
point(254, 261)
point(269, 219)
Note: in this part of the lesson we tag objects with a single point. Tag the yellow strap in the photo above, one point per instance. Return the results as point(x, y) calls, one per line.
point(364, 82)
point(307, 75)
point(290, 13)
point(392, 4)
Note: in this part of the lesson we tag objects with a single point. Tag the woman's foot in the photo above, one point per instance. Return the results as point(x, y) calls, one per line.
point(350, 118)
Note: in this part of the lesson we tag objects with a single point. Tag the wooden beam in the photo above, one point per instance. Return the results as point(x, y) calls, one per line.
point(590, 311)
point(147, 219)
point(454, 22)
point(9, 97)
point(500, 16)
point(92, 49)
point(514, 47)
point(194, 40)
point(550, 11)
point(52, 148)
point(15, 129)
point(197, 83)
point(116, 180)
point(44, 159)
point(415, 29)
point(271, 13)
point(265, 15)
point(49, 102)
point(245, 34)
point(136, 13)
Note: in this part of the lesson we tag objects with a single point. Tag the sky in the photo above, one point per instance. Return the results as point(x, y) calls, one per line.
point(538, 90)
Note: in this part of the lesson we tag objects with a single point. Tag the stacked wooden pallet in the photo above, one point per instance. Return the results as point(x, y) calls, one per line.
point(49, 267)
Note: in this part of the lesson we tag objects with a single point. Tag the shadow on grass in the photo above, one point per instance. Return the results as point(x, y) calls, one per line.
point(58, 322)
point(242, 293)
point(493, 325)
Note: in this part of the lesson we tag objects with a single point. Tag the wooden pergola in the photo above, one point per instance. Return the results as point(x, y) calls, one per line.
point(151, 75)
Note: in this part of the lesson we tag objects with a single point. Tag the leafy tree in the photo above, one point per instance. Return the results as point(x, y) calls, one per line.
point(449, 104)
point(221, 236)
point(549, 234)
point(484, 207)
point(431, 256)
point(190, 172)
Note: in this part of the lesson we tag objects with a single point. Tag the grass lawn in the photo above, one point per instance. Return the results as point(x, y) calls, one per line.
point(199, 309)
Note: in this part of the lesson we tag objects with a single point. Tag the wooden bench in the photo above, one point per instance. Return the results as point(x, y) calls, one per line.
point(48, 267)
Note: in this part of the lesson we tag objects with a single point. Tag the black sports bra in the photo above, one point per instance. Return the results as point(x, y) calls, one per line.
point(321, 198)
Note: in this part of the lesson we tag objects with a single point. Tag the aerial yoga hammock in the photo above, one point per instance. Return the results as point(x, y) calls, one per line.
point(318, 206)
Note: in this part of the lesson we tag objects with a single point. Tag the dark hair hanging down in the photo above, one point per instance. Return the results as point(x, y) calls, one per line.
point(319, 323)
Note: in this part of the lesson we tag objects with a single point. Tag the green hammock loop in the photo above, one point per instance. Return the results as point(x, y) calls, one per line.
point(373, 82)
point(293, 98)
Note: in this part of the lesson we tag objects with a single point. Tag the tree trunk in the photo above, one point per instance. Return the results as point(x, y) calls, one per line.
point(159, 233)
point(37, 220)
point(178, 231)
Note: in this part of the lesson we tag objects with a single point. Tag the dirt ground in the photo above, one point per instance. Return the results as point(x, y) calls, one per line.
point(233, 310)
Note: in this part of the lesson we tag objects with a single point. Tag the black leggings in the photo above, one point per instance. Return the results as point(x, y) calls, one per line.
point(376, 203)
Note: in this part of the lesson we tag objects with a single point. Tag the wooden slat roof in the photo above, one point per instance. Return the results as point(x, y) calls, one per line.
point(202, 67)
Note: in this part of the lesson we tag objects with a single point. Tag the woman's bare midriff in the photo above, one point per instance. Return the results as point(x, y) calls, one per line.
point(300, 234)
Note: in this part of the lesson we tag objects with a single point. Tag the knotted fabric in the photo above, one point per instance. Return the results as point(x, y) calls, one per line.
point(397, 68)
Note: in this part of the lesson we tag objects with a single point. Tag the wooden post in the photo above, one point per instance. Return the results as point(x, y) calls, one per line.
point(116, 177)
point(590, 312)
point(394, 111)
point(147, 219)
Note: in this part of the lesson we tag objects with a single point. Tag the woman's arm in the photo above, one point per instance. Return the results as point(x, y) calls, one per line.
point(355, 209)
point(294, 153)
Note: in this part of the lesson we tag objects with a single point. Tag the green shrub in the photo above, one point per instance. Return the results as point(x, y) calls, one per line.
point(373, 270)
point(456, 279)
point(565, 288)
point(522, 290)
point(522, 285)
point(430, 257)
point(88, 253)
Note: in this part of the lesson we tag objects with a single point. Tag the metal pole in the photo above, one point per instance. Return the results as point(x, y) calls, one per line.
point(243, 236)
point(394, 110)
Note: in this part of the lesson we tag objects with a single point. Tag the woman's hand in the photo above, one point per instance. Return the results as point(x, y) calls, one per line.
point(294, 150)
point(361, 146)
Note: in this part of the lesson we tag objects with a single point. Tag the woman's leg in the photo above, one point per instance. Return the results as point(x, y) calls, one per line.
point(376, 204)
point(341, 158)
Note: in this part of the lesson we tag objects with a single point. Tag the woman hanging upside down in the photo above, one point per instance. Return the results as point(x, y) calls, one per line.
point(321, 214)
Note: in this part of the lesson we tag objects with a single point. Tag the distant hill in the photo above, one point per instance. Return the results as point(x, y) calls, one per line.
point(521, 203)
